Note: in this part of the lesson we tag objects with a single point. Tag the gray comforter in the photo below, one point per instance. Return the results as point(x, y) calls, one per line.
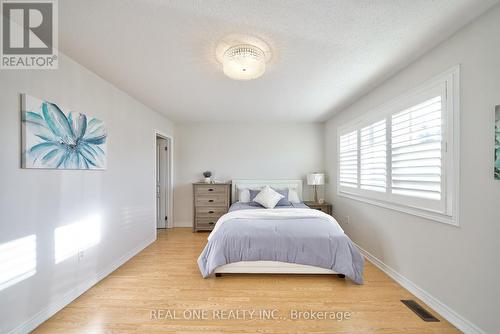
point(310, 241)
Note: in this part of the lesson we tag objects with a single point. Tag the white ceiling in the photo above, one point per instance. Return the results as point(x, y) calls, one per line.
point(325, 53)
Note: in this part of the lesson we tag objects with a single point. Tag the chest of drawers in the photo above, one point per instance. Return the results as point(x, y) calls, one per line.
point(210, 201)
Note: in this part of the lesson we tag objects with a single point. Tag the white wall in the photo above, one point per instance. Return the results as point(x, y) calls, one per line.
point(242, 151)
point(458, 266)
point(39, 201)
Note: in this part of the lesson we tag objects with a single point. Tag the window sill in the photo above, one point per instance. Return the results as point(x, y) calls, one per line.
point(430, 215)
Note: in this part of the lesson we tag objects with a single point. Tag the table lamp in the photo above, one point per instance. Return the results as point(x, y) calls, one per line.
point(316, 179)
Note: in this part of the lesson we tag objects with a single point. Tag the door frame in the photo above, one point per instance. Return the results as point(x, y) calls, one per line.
point(170, 176)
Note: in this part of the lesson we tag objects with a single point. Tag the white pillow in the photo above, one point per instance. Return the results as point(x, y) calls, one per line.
point(268, 198)
point(293, 196)
point(243, 195)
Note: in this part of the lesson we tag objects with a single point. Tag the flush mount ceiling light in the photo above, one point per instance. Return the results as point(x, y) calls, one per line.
point(243, 57)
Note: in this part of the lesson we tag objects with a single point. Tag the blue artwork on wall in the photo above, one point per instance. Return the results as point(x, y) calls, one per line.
point(54, 139)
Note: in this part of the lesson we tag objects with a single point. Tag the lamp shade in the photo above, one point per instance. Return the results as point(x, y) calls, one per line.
point(315, 179)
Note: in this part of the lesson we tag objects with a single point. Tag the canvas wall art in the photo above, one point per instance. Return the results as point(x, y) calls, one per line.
point(55, 139)
point(497, 142)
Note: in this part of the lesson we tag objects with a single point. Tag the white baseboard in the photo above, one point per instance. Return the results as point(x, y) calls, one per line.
point(445, 311)
point(71, 295)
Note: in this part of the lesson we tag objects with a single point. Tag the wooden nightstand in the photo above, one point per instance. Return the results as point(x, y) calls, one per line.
point(210, 201)
point(325, 207)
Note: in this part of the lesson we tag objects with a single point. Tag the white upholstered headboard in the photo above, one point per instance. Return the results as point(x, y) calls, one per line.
point(294, 184)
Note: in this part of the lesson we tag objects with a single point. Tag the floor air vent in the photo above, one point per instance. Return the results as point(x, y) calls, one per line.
point(419, 310)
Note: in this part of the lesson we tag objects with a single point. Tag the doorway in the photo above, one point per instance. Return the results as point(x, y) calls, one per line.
point(163, 181)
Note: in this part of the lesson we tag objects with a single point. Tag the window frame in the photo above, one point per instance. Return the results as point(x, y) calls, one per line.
point(448, 83)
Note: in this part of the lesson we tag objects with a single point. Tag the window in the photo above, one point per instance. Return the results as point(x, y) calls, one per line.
point(349, 159)
point(416, 150)
point(404, 155)
point(373, 146)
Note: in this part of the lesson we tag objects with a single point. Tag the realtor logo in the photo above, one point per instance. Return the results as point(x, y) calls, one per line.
point(29, 34)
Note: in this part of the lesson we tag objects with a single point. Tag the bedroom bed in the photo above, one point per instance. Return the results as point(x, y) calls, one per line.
point(288, 239)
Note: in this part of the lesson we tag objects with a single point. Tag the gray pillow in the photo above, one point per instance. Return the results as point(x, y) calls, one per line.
point(253, 193)
point(283, 202)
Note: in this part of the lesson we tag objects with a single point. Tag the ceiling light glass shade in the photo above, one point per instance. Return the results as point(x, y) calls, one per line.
point(244, 62)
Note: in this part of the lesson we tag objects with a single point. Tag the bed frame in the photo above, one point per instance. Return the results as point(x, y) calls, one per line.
point(268, 267)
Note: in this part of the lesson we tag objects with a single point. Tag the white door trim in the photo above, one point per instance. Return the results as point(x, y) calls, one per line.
point(170, 187)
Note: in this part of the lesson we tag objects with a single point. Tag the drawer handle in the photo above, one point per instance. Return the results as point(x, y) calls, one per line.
point(211, 223)
point(210, 200)
point(210, 211)
point(210, 189)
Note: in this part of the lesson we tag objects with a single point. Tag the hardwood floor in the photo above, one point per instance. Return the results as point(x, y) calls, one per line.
point(165, 277)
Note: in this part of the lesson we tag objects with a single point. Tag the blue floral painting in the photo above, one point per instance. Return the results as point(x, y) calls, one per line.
point(497, 142)
point(58, 140)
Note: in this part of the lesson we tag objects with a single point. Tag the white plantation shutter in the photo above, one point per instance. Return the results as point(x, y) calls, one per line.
point(373, 157)
point(416, 135)
point(404, 155)
point(348, 156)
